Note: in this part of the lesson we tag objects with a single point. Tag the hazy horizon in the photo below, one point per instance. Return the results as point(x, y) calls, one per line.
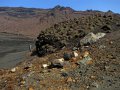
point(81, 5)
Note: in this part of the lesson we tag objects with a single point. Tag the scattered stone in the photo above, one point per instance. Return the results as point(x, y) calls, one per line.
point(13, 70)
point(73, 59)
point(75, 54)
point(63, 70)
point(111, 42)
point(106, 68)
point(86, 53)
point(94, 84)
point(111, 57)
point(93, 77)
point(44, 71)
point(67, 56)
point(26, 75)
point(85, 60)
point(87, 87)
point(66, 64)
point(57, 63)
point(30, 88)
point(74, 80)
point(69, 79)
point(89, 62)
point(75, 48)
point(22, 83)
point(28, 66)
point(86, 46)
point(102, 46)
point(45, 66)
point(64, 74)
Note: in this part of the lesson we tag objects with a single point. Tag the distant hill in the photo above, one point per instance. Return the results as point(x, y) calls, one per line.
point(30, 21)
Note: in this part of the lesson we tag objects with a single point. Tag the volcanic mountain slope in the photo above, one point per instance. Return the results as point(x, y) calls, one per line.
point(96, 67)
point(69, 33)
point(101, 73)
point(30, 21)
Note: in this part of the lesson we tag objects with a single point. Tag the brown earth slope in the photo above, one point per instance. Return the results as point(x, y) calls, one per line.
point(95, 68)
point(30, 21)
point(102, 73)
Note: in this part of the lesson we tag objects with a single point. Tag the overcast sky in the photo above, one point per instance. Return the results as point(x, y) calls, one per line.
point(102, 5)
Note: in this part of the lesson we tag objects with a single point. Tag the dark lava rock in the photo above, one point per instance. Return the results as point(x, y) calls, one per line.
point(67, 56)
point(69, 33)
point(47, 44)
point(64, 74)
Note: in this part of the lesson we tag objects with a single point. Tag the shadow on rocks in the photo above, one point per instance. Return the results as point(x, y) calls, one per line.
point(34, 53)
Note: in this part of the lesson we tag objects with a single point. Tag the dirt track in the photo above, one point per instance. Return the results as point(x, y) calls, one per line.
point(13, 49)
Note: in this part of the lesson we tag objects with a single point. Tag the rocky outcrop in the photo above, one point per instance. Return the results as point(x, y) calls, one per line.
point(91, 38)
point(70, 33)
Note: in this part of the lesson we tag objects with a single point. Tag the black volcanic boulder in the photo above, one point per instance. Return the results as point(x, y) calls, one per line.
point(47, 44)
